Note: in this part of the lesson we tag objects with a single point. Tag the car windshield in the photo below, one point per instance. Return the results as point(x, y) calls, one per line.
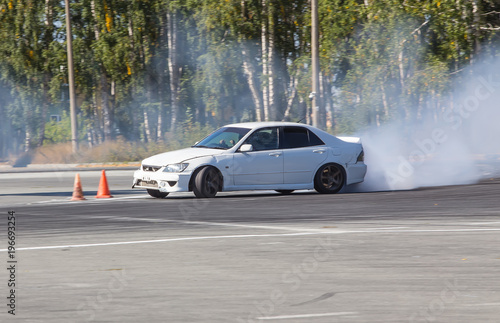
point(223, 138)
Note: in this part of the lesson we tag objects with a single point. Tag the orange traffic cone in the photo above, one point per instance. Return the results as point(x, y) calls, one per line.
point(77, 190)
point(103, 191)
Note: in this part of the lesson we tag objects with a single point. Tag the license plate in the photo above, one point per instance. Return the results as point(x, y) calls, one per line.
point(146, 178)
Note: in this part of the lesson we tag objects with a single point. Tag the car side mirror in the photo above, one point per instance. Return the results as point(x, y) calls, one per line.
point(246, 147)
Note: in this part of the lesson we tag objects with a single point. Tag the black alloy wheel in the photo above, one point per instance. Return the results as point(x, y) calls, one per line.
point(207, 182)
point(329, 179)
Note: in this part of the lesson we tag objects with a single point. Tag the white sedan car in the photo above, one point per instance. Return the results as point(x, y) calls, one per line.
point(279, 156)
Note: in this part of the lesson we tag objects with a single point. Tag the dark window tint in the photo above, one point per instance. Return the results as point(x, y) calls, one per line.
point(295, 137)
point(314, 140)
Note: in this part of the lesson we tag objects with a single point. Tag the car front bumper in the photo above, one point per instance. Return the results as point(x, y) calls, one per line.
point(162, 181)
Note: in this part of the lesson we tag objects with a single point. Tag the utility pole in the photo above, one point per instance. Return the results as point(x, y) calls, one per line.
point(315, 95)
point(71, 80)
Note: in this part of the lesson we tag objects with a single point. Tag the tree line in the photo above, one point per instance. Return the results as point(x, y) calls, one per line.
point(146, 68)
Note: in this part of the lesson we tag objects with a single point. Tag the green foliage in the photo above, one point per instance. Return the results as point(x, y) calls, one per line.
point(120, 150)
point(377, 65)
point(188, 134)
point(58, 131)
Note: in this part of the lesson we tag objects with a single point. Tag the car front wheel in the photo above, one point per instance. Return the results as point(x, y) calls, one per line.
point(329, 179)
point(157, 194)
point(207, 182)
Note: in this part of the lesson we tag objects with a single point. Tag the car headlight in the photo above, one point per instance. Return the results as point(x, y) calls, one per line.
point(175, 168)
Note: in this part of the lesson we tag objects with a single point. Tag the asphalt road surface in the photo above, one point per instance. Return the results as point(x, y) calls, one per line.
point(428, 255)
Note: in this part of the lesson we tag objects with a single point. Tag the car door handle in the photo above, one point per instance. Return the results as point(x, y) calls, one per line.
point(319, 151)
point(276, 154)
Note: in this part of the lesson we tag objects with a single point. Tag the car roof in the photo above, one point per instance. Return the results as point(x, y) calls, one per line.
point(325, 136)
point(254, 125)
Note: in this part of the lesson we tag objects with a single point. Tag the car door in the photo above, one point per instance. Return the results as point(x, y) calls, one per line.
point(264, 164)
point(303, 152)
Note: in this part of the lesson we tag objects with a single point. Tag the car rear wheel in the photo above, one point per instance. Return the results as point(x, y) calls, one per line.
point(157, 194)
point(329, 179)
point(284, 192)
point(207, 182)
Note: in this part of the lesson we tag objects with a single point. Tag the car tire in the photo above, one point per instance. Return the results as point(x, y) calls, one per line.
point(285, 192)
point(207, 182)
point(157, 194)
point(329, 179)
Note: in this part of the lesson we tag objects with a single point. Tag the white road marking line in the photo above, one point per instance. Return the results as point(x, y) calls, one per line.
point(50, 201)
point(392, 228)
point(223, 224)
point(88, 200)
point(480, 223)
point(141, 196)
point(93, 199)
point(483, 304)
point(162, 240)
point(241, 236)
point(137, 196)
point(311, 230)
point(301, 316)
point(425, 230)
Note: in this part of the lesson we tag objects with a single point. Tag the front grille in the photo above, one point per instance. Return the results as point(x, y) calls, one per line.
point(142, 183)
point(149, 168)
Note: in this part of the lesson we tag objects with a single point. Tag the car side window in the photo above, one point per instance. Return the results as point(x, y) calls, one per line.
point(296, 137)
point(314, 140)
point(264, 139)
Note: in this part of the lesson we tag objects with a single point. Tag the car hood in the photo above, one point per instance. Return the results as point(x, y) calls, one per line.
point(180, 155)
